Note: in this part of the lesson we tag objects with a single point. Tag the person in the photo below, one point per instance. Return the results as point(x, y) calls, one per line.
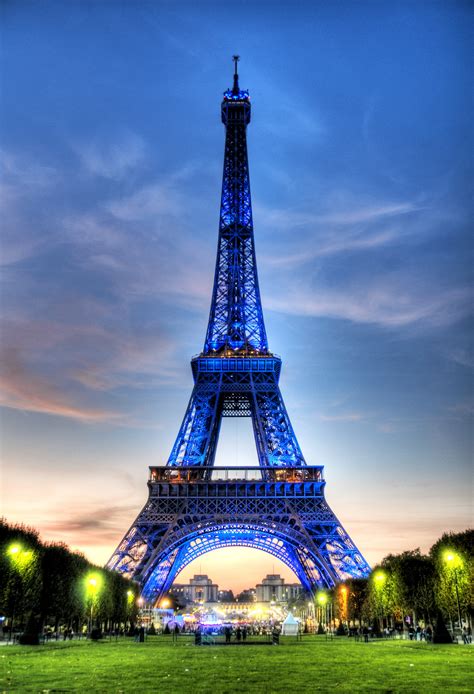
point(227, 632)
point(469, 634)
point(429, 633)
point(365, 632)
point(244, 634)
point(238, 634)
point(175, 632)
point(465, 636)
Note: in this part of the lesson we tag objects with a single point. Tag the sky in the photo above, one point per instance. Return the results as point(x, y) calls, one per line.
point(111, 162)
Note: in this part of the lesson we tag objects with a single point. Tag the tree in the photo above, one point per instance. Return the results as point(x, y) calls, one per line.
point(357, 595)
point(410, 585)
point(453, 557)
point(20, 560)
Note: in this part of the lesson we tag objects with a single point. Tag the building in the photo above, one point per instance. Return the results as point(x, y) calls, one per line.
point(248, 595)
point(225, 596)
point(199, 589)
point(274, 588)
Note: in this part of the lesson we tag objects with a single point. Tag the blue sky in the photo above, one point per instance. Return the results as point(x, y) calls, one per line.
point(111, 161)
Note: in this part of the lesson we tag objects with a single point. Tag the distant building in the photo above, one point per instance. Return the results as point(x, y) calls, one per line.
point(248, 595)
point(199, 589)
point(225, 596)
point(273, 587)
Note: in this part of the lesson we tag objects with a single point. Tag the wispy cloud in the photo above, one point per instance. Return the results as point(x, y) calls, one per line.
point(343, 417)
point(25, 185)
point(64, 369)
point(335, 231)
point(22, 389)
point(95, 525)
point(461, 356)
point(111, 157)
point(17, 168)
point(154, 199)
point(395, 301)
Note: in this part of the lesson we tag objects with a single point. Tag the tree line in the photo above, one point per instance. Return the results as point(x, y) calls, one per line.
point(46, 584)
point(412, 588)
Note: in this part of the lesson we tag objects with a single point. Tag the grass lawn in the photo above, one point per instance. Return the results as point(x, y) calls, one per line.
point(313, 665)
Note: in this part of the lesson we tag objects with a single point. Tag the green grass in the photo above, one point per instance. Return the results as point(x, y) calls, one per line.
point(313, 665)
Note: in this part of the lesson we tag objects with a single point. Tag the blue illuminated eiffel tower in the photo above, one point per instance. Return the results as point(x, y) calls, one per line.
point(194, 507)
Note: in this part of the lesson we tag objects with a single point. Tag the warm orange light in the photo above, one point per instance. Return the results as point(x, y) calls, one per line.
point(165, 603)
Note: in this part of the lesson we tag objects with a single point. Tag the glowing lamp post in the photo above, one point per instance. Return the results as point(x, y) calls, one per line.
point(93, 587)
point(322, 599)
point(379, 580)
point(453, 561)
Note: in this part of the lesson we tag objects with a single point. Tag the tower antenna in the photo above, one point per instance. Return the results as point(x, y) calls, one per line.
point(236, 59)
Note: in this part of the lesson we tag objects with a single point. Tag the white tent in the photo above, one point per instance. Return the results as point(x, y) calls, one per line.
point(290, 626)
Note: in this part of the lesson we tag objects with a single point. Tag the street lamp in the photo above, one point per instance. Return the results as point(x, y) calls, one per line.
point(454, 561)
point(379, 579)
point(322, 599)
point(93, 584)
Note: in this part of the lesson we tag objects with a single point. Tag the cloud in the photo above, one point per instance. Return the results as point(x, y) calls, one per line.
point(393, 301)
point(162, 197)
point(339, 230)
point(111, 158)
point(353, 214)
point(343, 417)
point(98, 356)
point(25, 189)
point(96, 524)
point(23, 389)
point(17, 168)
point(153, 199)
point(461, 356)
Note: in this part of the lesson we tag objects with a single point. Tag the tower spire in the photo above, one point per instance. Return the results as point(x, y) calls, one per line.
point(236, 319)
point(235, 89)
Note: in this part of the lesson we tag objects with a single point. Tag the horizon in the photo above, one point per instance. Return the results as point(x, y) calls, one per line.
point(359, 177)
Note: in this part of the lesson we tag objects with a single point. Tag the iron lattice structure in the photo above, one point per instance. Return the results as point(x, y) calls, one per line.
point(278, 507)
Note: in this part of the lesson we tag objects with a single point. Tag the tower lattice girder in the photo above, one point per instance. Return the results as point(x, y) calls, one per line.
point(278, 507)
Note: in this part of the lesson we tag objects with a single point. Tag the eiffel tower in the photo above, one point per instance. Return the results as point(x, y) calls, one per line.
point(279, 506)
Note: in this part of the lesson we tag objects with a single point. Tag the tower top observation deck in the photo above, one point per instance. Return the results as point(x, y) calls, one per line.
point(236, 103)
